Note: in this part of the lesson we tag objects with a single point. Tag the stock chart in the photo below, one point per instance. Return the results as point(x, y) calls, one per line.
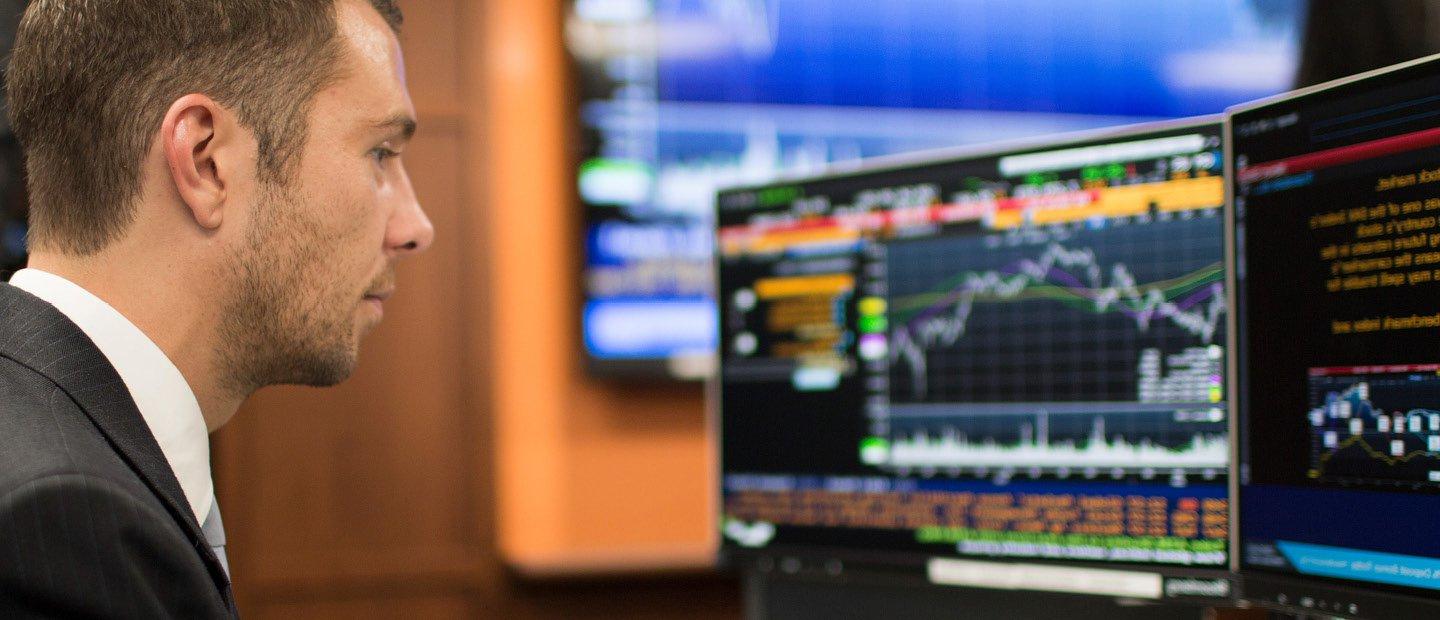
point(1101, 340)
point(1018, 354)
point(1377, 426)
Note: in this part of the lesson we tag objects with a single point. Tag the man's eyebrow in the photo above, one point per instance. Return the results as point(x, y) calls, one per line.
point(401, 122)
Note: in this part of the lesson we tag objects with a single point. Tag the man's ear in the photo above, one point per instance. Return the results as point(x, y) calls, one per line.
point(189, 138)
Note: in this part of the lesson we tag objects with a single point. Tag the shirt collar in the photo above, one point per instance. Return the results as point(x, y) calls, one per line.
point(160, 392)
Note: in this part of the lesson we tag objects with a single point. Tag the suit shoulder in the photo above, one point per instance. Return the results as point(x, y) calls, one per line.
point(44, 433)
point(83, 546)
point(22, 389)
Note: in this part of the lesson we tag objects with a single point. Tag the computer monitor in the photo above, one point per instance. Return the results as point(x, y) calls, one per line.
point(998, 368)
point(1336, 247)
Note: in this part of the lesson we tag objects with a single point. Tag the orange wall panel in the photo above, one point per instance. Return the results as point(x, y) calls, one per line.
point(589, 474)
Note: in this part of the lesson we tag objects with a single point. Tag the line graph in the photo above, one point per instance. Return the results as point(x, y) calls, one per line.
point(1048, 278)
point(1380, 428)
point(1358, 441)
point(1057, 309)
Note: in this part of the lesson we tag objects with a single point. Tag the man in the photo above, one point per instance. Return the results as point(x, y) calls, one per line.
point(217, 205)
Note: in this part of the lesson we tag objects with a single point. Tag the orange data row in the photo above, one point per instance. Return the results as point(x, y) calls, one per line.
point(1058, 514)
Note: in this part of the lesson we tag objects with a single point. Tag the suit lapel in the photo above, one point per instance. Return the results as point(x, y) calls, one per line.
point(36, 335)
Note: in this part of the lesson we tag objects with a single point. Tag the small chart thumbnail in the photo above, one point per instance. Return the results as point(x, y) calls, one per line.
point(1375, 425)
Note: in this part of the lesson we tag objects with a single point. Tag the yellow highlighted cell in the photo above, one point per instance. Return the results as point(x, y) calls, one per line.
point(1126, 200)
point(831, 284)
point(780, 240)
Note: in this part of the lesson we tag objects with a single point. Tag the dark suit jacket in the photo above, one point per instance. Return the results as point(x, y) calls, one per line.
point(93, 523)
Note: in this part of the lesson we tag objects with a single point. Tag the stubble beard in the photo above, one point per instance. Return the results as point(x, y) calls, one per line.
point(284, 322)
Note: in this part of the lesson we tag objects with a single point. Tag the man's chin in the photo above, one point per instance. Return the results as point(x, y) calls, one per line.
point(325, 367)
point(330, 374)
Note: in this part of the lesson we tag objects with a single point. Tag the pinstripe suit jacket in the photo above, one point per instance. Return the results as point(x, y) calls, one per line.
point(93, 523)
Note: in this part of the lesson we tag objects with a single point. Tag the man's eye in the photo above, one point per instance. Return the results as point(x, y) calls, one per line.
point(381, 154)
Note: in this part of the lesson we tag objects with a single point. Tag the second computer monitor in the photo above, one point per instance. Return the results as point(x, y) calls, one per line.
point(1337, 250)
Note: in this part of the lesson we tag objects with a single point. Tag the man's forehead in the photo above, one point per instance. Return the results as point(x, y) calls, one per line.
point(372, 86)
point(368, 35)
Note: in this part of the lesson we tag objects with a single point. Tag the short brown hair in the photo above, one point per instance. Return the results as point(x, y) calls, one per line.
point(89, 83)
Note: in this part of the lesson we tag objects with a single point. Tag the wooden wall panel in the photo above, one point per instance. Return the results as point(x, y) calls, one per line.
point(591, 475)
point(654, 440)
point(380, 607)
point(509, 50)
point(431, 40)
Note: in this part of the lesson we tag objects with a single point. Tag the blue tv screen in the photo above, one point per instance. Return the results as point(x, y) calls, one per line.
point(680, 98)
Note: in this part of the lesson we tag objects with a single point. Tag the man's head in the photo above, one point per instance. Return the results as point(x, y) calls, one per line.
point(254, 140)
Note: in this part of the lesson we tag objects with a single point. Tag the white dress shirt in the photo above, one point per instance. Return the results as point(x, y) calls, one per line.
point(160, 392)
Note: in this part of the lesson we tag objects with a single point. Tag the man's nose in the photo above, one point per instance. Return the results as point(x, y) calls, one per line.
point(410, 230)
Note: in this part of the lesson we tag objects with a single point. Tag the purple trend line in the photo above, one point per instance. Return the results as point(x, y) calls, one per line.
point(1195, 298)
point(936, 307)
point(1066, 278)
point(1186, 304)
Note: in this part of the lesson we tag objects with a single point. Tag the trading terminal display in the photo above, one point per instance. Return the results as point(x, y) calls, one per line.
point(1337, 249)
point(1014, 355)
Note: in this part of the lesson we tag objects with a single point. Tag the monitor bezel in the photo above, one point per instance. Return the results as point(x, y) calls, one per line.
point(1373, 594)
point(1017, 146)
point(809, 557)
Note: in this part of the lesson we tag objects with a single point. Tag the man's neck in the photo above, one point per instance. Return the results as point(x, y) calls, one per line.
point(163, 307)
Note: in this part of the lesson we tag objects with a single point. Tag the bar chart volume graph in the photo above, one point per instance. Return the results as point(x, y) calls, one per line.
point(1101, 449)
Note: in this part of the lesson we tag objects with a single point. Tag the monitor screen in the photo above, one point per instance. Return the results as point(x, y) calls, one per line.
point(681, 97)
point(1337, 250)
point(1004, 356)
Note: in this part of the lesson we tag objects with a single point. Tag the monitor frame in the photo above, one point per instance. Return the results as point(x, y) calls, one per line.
point(1303, 594)
point(839, 563)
